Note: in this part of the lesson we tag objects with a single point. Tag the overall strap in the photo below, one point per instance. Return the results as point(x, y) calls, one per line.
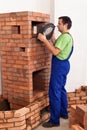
point(72, 46)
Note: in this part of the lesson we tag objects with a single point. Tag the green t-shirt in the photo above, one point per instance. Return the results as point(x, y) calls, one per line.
point(64, 42)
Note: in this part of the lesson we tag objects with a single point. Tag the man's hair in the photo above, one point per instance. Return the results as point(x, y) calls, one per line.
point(66, 20)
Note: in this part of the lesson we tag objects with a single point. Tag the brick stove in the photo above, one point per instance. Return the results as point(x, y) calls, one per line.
point(25, 63)
point(25, 70)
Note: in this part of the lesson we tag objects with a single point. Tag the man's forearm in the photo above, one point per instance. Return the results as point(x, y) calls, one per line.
point(51, 48)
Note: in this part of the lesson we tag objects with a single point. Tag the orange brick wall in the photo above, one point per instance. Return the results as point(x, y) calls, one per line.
point(23, 58)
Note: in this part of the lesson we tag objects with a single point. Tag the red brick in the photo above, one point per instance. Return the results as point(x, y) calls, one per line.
point(77, 127)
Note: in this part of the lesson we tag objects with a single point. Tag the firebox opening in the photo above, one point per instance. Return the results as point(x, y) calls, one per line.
point(36, 27)
point(40, 83)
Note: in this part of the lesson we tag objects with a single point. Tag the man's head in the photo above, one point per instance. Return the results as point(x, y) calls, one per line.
point(64, 23)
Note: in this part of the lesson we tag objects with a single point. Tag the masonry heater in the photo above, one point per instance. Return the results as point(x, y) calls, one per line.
point(25, 62)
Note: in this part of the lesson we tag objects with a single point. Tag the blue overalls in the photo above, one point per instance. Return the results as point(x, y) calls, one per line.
point(57, 92)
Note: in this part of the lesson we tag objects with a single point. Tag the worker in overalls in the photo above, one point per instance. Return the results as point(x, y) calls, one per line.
point(61, 50)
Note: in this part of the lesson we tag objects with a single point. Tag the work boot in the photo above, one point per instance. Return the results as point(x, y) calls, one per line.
point(49, 124)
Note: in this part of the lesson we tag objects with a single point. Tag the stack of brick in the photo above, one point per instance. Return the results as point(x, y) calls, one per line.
point(78, 115)
point(25, 62)
point(25, 118)
point(81, 117)
point(77, 97)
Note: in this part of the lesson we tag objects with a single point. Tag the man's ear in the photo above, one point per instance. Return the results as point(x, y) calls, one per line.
point(66, 25)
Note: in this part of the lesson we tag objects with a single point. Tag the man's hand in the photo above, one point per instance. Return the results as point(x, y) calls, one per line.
point(41, 37)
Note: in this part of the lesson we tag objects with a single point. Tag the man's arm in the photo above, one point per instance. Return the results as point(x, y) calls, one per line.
point(50, 47)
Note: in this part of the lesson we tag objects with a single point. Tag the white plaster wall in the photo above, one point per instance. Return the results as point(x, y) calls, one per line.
point(77, 11)
point(52, 11)
point(25, 5)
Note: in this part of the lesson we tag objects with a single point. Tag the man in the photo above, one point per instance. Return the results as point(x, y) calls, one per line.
point(61, 50)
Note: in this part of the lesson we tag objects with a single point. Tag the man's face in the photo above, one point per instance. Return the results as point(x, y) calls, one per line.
point(61, 26)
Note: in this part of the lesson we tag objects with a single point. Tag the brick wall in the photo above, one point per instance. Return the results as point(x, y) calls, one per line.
point(25, 62)
point(25, 118)
point(77, 97)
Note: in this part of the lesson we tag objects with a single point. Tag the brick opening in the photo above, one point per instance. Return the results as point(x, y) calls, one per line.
point(22, 49)
point(39, 82)
point(15, 29)
point(4, 105)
